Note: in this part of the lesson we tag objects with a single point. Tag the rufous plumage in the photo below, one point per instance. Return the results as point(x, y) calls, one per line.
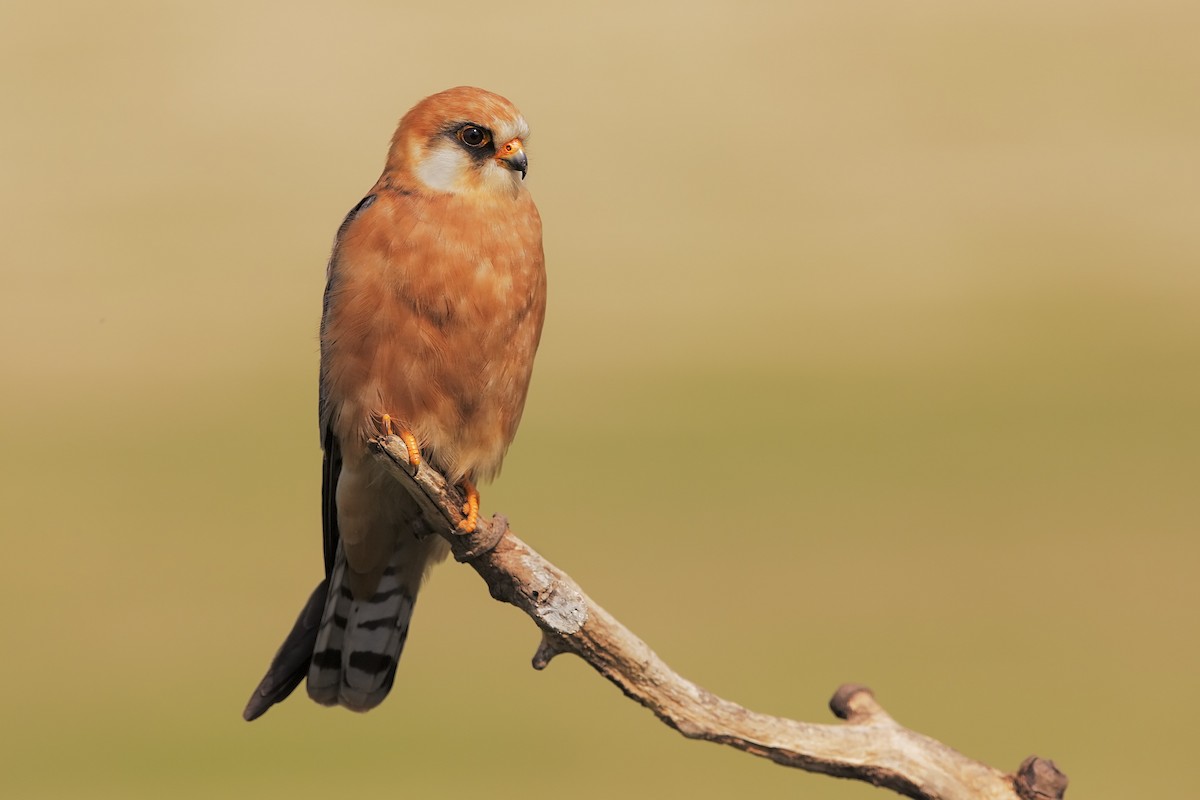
point(433, 309)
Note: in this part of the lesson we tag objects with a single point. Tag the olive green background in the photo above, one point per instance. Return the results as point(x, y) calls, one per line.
point(872, 355)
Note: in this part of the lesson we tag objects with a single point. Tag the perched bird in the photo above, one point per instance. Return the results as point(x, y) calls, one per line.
point(434, 301)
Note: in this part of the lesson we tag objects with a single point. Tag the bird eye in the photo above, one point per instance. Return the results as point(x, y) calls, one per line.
point(473, 136)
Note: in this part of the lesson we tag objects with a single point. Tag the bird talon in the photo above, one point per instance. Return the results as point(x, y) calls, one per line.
point(470, 507)
point(406, 436)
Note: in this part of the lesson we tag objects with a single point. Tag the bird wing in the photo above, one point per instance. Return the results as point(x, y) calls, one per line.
point(331, 465)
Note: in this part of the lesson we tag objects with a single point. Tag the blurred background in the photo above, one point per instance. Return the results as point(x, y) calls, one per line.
point(871, 356)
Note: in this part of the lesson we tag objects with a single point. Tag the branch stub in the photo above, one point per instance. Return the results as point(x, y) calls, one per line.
point(1040, 779)
point(854, 702)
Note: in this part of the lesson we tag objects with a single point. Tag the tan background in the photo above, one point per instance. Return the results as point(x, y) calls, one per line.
point(872, 355)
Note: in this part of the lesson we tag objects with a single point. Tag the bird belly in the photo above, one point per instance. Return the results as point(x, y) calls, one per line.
point(455, 376)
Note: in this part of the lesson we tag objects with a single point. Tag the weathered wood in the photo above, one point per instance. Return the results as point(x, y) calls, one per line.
point(870, 746)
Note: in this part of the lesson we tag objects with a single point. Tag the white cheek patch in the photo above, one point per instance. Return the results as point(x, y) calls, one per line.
point(500, 179)
point(442, 166)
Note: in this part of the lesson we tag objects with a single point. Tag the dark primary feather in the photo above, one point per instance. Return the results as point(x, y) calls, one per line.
point(290, 664)
point(331, 468)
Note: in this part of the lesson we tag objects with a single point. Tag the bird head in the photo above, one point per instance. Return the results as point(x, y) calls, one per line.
point(463, 140)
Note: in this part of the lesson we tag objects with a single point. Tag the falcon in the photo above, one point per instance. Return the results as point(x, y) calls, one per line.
point(433, 309)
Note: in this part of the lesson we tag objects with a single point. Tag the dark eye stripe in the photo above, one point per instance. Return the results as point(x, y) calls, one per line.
point(455, 130)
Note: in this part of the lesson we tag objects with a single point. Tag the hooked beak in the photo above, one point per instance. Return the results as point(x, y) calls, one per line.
point(511, 154)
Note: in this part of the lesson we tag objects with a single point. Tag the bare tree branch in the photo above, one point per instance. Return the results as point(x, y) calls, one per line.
point(870, 747)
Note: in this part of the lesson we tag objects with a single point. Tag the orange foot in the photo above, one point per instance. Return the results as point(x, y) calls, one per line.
point(406, 436)
point(470, 508)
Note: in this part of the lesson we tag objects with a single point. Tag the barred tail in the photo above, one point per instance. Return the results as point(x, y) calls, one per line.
point(359, 642)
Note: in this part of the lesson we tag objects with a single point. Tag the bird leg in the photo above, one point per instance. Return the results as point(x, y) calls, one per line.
point(406, 436)
point(470, 508)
